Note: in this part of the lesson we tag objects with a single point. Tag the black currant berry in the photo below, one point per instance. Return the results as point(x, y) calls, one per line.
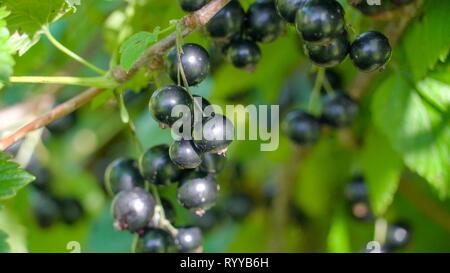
point(156, 167)
point(357, 195)
point(165, 99)
point(184, 154)
point(238, 206)
point(212, 163)
point(398, 235)
point(197, 192)
point(214, 134)
point(133, 209)
point(154, 240)
point(45, 209)
point(227, 22)
point(370, 51)
point(330, 54)
point(71, 210)
point(302, 127)
point(195, 63)
point(288, 9)
point(263, 23)
point(123, 174)
point(192, 5)
point(339, 110)
point(189, 239)
point(244, 54)
point(319, 21)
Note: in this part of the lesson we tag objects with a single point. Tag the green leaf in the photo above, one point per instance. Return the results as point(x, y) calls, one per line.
point(134, 46)
point(427, 39)
point(338, 240)
point(28, 17)
point(6, 50)
point(4, 247)
point(12, 178)
point(416, 127)
point(382, 168)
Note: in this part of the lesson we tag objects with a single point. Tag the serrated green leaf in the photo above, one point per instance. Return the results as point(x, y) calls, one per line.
point(6, 50)
point(134, 46)
point(417, 130)
point(4, 247)
point(12, 178)
point(382, 168)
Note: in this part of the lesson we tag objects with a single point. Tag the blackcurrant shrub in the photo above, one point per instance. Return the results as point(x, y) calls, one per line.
point(123, 174)
point(156, 167)
point(238, 206)
point(165, 99)
point(330, 54)
point(370, 51)
point(133, 209)
point(197, 192)
point(214, 134)
point(339, 109)
point(154, 240)
point(184, 154)
point(319, 21)
point(194, 61)
point(227, 22)
point(302, 127)
point(398, 235)
point(189, 239)
point(244, 53)
point(71, 210)
point(212, 163)
point(263, 24)
point(288, 9)
point(192, 5)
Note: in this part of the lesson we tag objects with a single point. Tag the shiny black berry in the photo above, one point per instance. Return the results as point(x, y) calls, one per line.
point(156, 167)
point(398, 236)
point(195, 63)
point(165, 99)
point(263, 23)
point(189, 239)
point(212, 163)
point(71, 210)
point(184, 154)
point(123, 174)
point(288, 9)
point(339, 109)
point(154, 240)
point(244, 54)
point(192, 5)
point(319, 21)
point(133, 209)
point(214, 134)
point(331, 54)
point(227, 22)
point(302, 127)
point(197, 192)
point(370, 51)
point(238, 206)
point(358, 198)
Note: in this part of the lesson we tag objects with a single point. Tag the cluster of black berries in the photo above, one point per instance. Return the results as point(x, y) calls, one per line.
point(397, 234)
point(384, 6)
point(237, 33)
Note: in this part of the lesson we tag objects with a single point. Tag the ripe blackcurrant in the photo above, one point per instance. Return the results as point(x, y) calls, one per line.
point(154, 240)
point(133, 209)
point(227, 22)
point(339, 109)
point(263, 24)
point(165, 99)
point(156, 167)
point(244, 54)
point(288, 9)
point(184, 154)
point(319, 21)
point(197, 192)
point(330, 54)
point(398, 236)
point(123, 174)
point(238, 206)
point(302, 127)
point(192, 5)
point(214, 134)
point(370, 51)
point(357, 195)
point(71, 210)
point(195, 62)
point(189, 239)
point(212, 163)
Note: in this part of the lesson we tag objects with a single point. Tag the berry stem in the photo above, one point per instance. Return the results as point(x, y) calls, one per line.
point(163, 222)
point(70, 53)
point(317, 86)
point(380, 232)
point(99, 82)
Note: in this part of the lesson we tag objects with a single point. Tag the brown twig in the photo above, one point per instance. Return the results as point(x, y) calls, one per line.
point(152, 55)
